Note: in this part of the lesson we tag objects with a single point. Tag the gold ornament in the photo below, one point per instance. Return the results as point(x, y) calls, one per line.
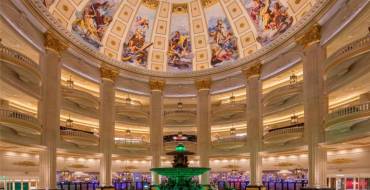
point(51, 42)
point(203, 84)
point(156, 84)
point(310, 37)
point(254, 70)
point(108, 73)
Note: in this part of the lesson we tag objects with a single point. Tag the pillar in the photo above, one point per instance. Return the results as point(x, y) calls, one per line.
point(315, 102)
point(254, 123)
point(106, 123)
point(203, 126)
point(49, 109)
point(156, 125)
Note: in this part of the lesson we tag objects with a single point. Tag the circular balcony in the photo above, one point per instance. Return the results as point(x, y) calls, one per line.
point(229, 112)
point(79, 137)
point(348, 52)
point(20, 122)
point(284, 134)
point(344, 118)
point(183, 118)
point(131, 114)
point(132, 145)
point(20, 71)
point(80, 101)
point(229, 142)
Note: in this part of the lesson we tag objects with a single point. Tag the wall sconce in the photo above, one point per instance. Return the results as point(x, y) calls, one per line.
point(69, 122)
point(293, 80)
point(70, 83)
point(294, 119)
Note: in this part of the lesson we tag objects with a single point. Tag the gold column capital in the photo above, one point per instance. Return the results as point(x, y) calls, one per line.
point(205, 83)
point(156, 84)
point(108, 73)
point(53, 43)
point(254, 70)
point(312, 36)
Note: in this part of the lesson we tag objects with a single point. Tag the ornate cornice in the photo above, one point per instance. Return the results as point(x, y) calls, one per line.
point(108, 73)
point(252, 71)
point(155, 84)
point(312, 36)
point(203, 83)
point(53, 43)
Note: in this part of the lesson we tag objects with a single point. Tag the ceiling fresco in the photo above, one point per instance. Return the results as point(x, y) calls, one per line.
point(181, 35)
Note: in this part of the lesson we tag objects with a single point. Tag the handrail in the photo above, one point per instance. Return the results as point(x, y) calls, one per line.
point(17, 56)
point(77, 133)
point(350, 110)
point(130, 142)
point(166, 113)
point(357, 44)
point(285, 130)
point(230, 140)
point(12, 114)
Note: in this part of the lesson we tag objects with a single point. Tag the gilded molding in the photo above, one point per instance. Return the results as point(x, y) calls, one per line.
point(312, 36)
point(203, 84)
point(108, 73)
point(156, 84)
point(52, 42)
point(254, 70)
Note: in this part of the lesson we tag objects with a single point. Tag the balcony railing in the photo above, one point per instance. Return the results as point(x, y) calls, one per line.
point(235, 139)
point(291, 129)
point(6, 52)
point(78, 133)
point(20, 122)
point(130, 142)
point(354, 48)
point(347, 111)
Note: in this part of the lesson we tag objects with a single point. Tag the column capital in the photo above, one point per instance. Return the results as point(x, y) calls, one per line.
point(203, 83)
point(156, 84)
point(108, 73)
point(53, 43)
point(312, 36)
point(254, 70)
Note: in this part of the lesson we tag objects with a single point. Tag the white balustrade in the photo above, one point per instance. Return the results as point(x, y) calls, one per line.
point(350, 110)
point(7, 114)
point(17, 56)
point(299, 128)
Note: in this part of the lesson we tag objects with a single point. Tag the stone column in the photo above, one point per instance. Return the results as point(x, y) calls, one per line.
point(156, 125)
point(254, 123)
point(49, 109)
point(203, 126)
point(315, 105)
point(106, 123)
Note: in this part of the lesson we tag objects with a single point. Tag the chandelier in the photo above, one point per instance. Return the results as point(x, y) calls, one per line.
point(69, 122)
point(292, 80)
point(294, 119)
point(70, 83)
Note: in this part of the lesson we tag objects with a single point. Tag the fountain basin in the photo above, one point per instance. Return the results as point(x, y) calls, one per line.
point(180, 172)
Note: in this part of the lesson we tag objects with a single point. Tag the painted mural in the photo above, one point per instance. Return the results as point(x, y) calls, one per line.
point(135, 48)
point(270, 17)
point(179, 53)
point(222, 40)
point(92, 22)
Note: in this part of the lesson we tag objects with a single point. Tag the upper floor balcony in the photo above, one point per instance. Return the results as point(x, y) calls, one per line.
point(21, 123)
point(348, 117)
point(285, 134)
point(131, 145)
point(20, 71)
point(229, 142)
point(78, 137)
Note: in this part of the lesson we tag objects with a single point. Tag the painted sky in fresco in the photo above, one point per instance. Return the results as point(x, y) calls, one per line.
point(221, 37)
point(137, 43)
point(180, 57)
point(92, 21)
point(270, 17)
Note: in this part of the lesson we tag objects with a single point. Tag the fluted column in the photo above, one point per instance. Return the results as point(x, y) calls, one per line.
point(156, 125)
point(203, 126)
point(315, 105)
point(106, 123)
point(254, 122)
point(49, 109)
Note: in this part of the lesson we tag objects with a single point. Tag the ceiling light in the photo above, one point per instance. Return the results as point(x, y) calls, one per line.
point(292, 80)
point(294, 119)
point(180, 105)
point(70, 83)
point(69, 122)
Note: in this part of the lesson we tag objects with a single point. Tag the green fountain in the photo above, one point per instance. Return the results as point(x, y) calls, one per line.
point(180, 175)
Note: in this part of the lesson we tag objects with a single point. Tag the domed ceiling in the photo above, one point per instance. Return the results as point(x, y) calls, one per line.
point(177, 35)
